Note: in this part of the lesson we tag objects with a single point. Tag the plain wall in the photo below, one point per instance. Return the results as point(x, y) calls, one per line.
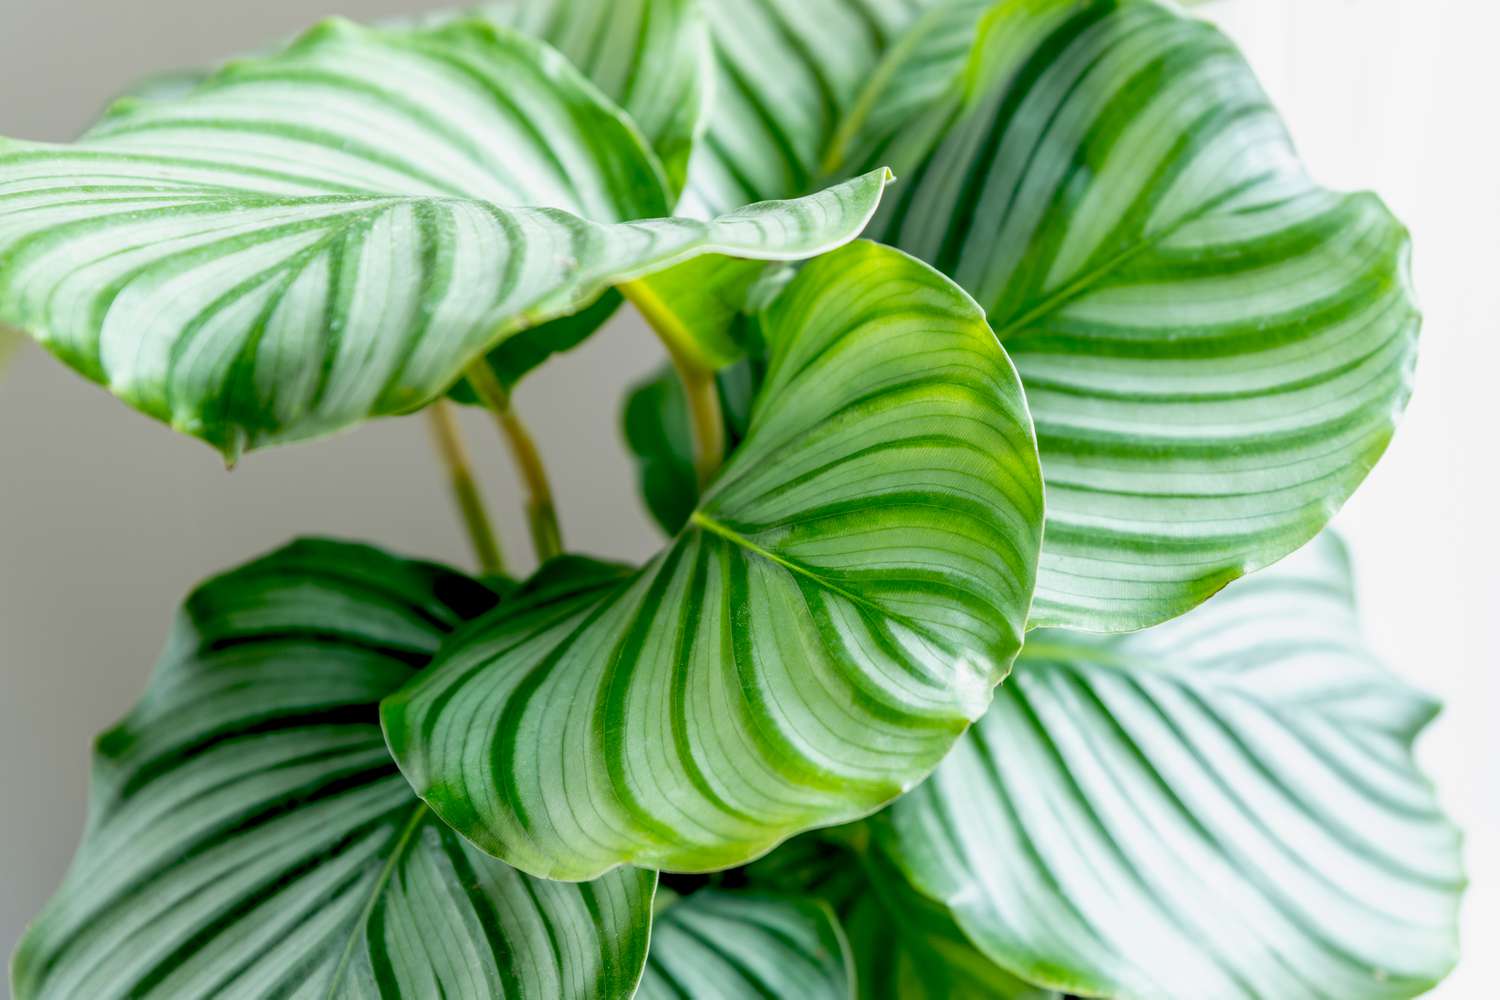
point(107, 519)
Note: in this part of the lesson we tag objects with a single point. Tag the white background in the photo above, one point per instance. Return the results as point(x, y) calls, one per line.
point(106, 520)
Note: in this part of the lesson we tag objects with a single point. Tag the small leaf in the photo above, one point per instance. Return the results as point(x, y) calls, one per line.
point(249, 834)
point(1215, 349)
point(659, 435)
point(838, 608)
point(787, 75)
point(267, 259)
point(721, 945)
point(661, 440)
point(1223, 806)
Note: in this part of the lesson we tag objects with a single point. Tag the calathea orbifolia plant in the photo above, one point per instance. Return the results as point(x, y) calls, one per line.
point(933, 499)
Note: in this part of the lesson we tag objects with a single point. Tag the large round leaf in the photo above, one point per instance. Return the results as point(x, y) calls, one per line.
point(649, 56)
point(838, 608)
point(337, 231)
point(788, 72)
point(249, 835)
point(721, 945)
point(1214, 349)
point(1224, 806)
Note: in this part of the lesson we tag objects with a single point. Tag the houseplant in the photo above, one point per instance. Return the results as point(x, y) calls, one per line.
point(359, 773)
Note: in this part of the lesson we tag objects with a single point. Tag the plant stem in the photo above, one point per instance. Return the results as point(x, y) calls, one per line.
point(698, 382)
point(466, 495)
point(541, 512)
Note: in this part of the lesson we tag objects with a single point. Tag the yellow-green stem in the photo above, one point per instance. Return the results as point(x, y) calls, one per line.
point(470, 502)
point(697, 379)
point(541, 512)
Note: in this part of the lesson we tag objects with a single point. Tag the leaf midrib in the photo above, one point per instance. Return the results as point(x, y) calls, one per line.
point(708, 524)
point(398, 851)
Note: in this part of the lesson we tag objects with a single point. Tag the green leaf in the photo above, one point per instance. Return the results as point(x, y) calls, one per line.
point(524, 352)
point(720, 945)
point(923, 69)
point(697, 306)
point(1224, 806)
point(659, 434)
point(660, 438)
point(1215, 350)
point(10, 340)
point(266, 259)
point(249, 834)
point(651, 57)
point(904, 946)
point(788, 72)
point(838, 608)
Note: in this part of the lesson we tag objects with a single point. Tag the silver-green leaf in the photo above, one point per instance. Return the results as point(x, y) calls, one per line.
point(1223, 806)
point(904, 945)
point(788, 72)
point(838, 608)
point(336, 232)
point(250, 836)
point(1215, 349)
point(651, 57)
point(742, 945)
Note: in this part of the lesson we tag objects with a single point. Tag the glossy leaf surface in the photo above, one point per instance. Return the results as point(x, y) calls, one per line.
point(1223, 806)
point(838, 608)
point(1215, 350)
point(297, 244)
point(249, 835)
point(722, 945)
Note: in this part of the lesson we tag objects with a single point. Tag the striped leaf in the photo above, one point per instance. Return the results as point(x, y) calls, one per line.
point(249, 835)
point(1224, 806)
point(904, 946)
point(788, 71)
point(904, 96)
point(300, 243)
point(837, 609)
point(720, 945)
point(651, 57)
point(1214, 349)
